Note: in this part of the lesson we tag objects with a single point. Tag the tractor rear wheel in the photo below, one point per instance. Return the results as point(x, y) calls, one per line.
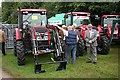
point(20, 52)
point(103, 45)
point(80, 48)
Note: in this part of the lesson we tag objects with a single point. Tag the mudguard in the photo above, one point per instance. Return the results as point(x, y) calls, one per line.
point(83, 28)
point(17, 34)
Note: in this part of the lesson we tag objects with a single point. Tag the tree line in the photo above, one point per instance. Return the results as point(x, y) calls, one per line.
point(98, 8)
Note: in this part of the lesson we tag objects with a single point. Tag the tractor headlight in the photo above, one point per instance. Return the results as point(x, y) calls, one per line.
point(38, 37)
point(45, 37)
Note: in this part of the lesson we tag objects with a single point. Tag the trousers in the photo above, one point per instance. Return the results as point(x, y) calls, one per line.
point(92, 53)
point(71, 49)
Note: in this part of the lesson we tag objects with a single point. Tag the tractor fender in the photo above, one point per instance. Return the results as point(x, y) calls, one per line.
point(83, 29)
point(17, 34)
point(99, 28)
point(109, 30)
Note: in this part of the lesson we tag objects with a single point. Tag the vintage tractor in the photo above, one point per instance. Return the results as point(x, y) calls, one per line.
point(34, 35)
point(81, 20)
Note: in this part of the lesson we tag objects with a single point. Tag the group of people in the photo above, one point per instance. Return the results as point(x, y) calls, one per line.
point(72, 36)
point(2, 40)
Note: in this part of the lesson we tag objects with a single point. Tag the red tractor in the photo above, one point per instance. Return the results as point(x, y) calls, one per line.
point(107, 23)
point(34, 35)
point(81, 20)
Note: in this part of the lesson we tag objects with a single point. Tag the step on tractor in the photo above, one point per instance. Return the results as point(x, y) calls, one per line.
point(35, 36)
point(81, 20)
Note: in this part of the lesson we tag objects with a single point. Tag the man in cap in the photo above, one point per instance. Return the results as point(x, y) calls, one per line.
point(2, 40)
point(91, 43)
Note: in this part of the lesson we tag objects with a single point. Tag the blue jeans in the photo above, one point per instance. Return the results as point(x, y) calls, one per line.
point(69, 49)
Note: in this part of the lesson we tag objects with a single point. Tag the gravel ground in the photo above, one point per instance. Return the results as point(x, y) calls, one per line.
point(4, 74)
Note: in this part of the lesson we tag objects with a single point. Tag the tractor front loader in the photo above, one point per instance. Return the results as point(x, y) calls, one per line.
point(34, 35)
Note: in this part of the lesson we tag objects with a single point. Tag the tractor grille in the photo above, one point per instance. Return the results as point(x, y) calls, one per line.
point(42, 45)
point(43, 42)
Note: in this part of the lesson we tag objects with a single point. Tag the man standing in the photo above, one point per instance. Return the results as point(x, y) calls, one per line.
point(91, 43)
point(71, 43)
point(2, 40)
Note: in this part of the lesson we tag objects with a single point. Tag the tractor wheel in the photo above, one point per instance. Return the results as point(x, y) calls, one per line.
point(20, 52)
point(14, 40)
point(80, 48)
point(103, 45)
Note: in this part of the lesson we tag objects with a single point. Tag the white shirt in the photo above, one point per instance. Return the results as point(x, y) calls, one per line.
point(90, 31)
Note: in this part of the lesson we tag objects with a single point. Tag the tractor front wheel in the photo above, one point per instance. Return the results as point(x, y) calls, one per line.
point(20, 52)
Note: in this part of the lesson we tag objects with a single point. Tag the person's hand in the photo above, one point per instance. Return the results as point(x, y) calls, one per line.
point(90, 41)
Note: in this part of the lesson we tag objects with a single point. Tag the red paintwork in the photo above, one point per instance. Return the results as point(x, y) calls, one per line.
point(83, 28)
point(109, 30)
point(33, 10)
point(48, 37)
point(110, 15)
point(99, 30)
point(17, 33)
point(79, 13)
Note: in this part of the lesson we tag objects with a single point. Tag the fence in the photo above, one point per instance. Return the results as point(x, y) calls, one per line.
point(9, 30)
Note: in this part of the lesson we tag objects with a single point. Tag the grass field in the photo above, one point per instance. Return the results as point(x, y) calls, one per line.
point(106, 67)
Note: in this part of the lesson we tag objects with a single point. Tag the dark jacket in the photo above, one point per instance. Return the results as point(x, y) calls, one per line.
point(71, 39)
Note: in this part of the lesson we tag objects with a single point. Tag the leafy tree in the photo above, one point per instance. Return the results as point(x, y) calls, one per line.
point(8, 8)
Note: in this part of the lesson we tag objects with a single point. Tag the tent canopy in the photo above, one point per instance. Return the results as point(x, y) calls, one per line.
point(58, 19)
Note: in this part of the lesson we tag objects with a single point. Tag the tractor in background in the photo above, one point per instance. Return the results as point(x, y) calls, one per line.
point(109, 28)
point(107, 23)
point(35, 36)
point(81, 20)
point(115, 23)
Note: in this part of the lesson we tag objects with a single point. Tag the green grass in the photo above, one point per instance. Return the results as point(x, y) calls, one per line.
point(107, 67)
point(0, 59)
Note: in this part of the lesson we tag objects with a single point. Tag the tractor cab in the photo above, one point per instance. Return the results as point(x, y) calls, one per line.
point(77, 18)
point(33, 17)
point(106, 22)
